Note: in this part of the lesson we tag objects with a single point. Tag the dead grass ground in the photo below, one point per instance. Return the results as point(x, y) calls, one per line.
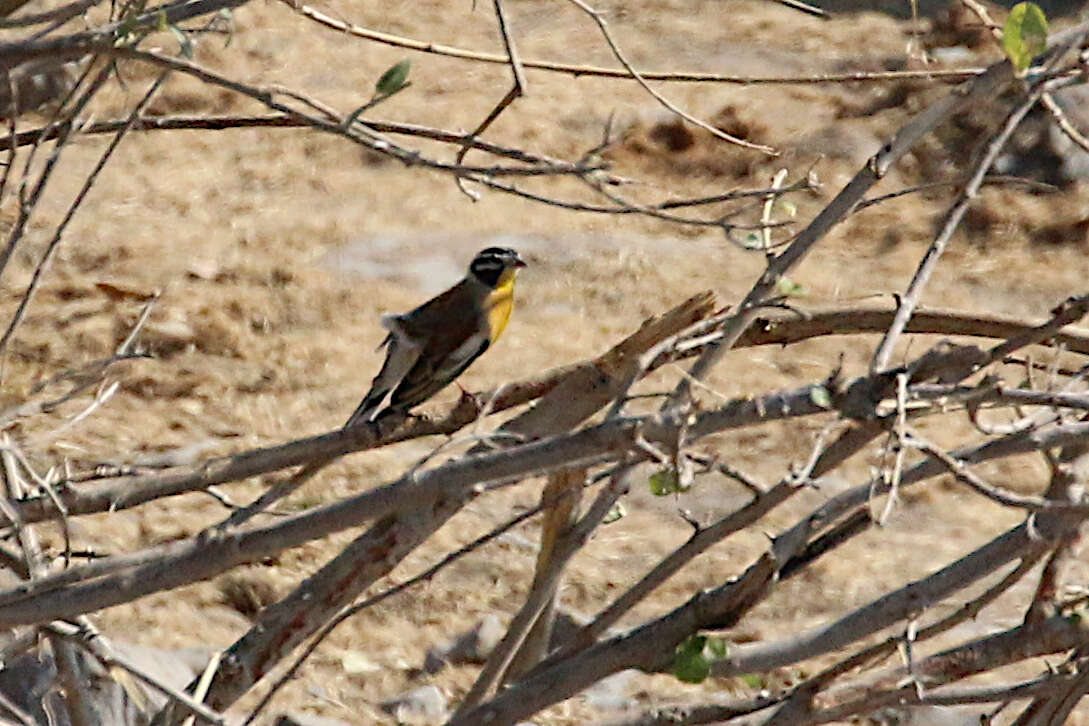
point(276, 252)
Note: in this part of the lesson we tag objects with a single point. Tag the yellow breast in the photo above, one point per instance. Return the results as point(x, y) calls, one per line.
point(498, 306)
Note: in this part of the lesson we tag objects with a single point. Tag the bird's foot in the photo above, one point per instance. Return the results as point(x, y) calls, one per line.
point(469, 398)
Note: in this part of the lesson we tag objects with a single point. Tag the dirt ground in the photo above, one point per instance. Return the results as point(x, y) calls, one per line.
point(277, 250)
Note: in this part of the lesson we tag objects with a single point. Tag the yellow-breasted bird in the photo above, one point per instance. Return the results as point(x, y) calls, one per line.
point(432, 345)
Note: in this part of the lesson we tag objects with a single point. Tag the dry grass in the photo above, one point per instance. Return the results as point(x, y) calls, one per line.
point(276, 251)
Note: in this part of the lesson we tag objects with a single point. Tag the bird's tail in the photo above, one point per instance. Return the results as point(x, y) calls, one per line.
point(369, 409)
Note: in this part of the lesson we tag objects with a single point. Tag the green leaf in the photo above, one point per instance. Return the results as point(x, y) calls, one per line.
point(788, 287)
point(663, 483)
point(693, 658)
point(753, 241)
point(183, 40)
point(227, 17)
point(753, 680)
point(820, 396)
point(163, 24)
point(394, 79)
point(690, 664)
point(617, 512)
point(1024, 36)
point(718, 648)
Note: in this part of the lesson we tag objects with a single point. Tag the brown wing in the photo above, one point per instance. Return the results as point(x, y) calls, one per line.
point(457, 333)
point(401, 354)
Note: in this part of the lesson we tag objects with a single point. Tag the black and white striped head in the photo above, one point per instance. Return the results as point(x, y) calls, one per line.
point(494, 266)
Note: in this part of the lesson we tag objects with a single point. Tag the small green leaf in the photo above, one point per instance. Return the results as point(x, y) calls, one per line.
point(163, 24)
point(718, 648)
point(693, 658)
point(227, 17)
point(1024, 36)
point(690, 664)
point(788, 287)
point(753, 241)
point(664, 483)
point(617, 512)
point(394, 79)
point(820, 396)
point(753, 680)
point(183, 40)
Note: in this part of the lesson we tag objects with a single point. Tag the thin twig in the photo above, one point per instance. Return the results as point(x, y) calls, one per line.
point(594, 71)
point(642, 81)
point(910, 299)
point(58, 232)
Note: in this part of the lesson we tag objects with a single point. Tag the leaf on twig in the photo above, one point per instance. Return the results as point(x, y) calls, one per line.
point(693, 658)
point(617, 512)
point(1024, 36)
point(820, 396)
point(788, 287)
point(666, 482)
point(183, 41)
point(394, 79)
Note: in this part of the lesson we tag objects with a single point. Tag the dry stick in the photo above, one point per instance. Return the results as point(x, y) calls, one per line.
point(748, 657)
point(370, 602)
point(24, 718)
point(739, 412)
point(556, 528)
point(58, 233)
point(1068, 479)
point(847, 501)
point(167, 123)
point(517, 91)
point(546, 581)
point(10, 144)
point(803, 692)
point(983, 87)
point(595, 71)
point(335, 126)
point(89, 638)
point(126, 491)
point(216, 550)
point(665, 102)
point(1006, 498)
point(103, 39)
point(805, 8)
point(80, 708)
point(63, 13)
point(27, 205)
point(910, 299)
point(1054, 709)
point(401, 529)
point(1067, 485)
point(991, 652)
point(850, 443)
point(1063, 122)
point(801, 696)
point(650, 646)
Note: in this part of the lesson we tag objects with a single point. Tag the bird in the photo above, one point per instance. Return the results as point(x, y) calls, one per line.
point(430, 346)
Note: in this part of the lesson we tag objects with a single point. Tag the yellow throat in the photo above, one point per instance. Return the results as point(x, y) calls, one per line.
point(499, 303)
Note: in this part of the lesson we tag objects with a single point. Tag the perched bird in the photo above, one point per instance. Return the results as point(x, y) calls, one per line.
point(432, 345)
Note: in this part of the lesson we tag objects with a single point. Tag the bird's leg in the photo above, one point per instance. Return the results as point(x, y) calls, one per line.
point(478, 404)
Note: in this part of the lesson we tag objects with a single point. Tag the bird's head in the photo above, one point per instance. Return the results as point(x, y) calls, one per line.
point(495, 266)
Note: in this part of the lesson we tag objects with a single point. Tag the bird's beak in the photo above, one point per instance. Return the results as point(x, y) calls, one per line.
point(519, 262)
